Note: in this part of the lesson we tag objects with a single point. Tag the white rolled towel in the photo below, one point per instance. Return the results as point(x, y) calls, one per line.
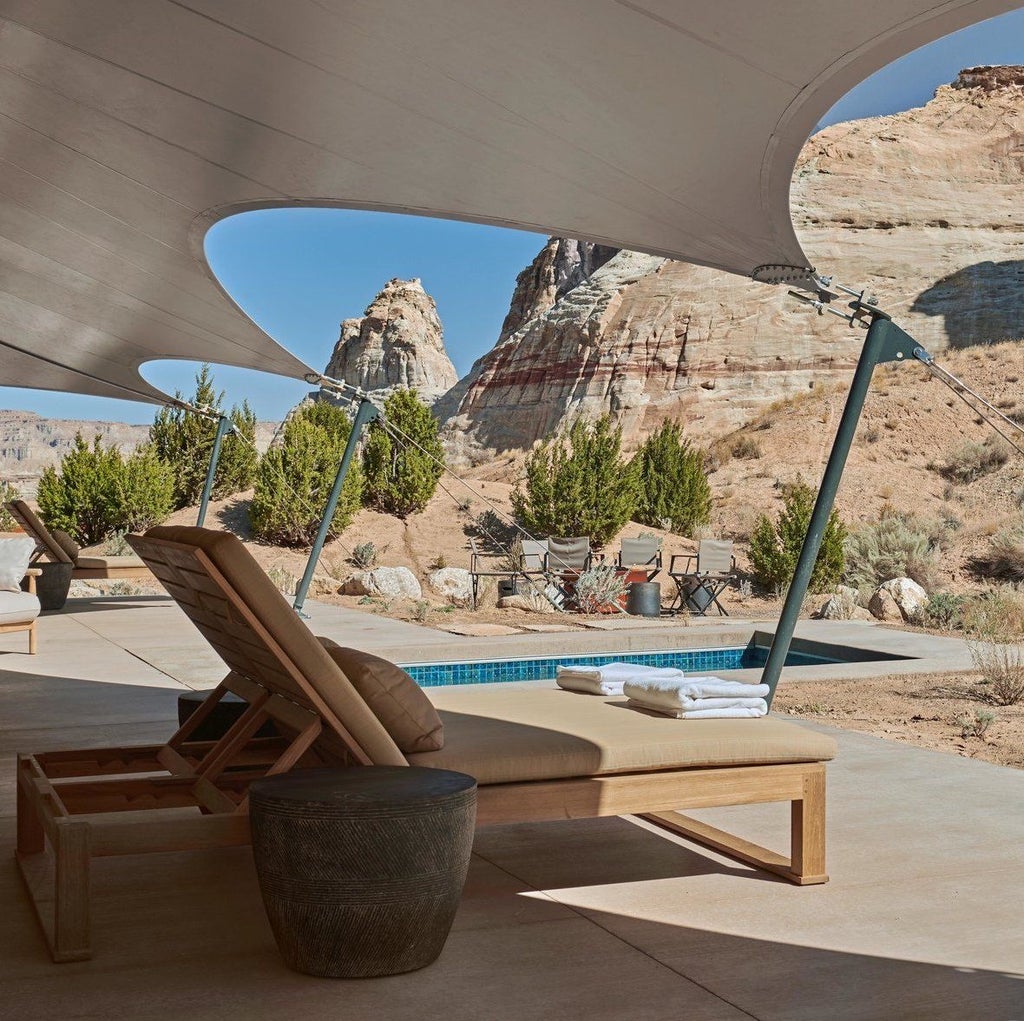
point(701, 711)
point(667, 693)
point(610, 678)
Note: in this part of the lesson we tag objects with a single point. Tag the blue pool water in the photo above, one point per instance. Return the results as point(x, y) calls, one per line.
point(692, 661)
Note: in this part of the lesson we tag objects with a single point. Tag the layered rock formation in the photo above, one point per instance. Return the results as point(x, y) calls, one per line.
point(398, 343)
point(921, 207)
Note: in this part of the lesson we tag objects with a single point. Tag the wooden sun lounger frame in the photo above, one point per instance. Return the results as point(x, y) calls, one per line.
point(48, 545)
point(76, 805)
point(30, 626)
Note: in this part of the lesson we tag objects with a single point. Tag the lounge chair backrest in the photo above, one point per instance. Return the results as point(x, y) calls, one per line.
point(568, 554)
point(714, 556)
point(534, 552)
point(250, 625)
point(34, 527)
point(641, 550)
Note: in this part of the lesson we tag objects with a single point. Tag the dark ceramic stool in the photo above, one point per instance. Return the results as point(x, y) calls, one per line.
point(226, 713)
point(644, 599)
point(361, 869)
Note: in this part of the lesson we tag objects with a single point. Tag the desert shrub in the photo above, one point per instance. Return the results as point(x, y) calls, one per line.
point(1001, 664)
point(184, 441)
point(96, 491)
point(599, 587)
point(976, 724)
point(895, 546)
point(996, 614)
point(973, 460)
point(295, 477)
point(8, 492)
point(1004, 558)
point(945, 610)
point(578, 484)
point(746, 448)
point(673, 482)
point(365, 555)
point(775, 545)
point(402, 471)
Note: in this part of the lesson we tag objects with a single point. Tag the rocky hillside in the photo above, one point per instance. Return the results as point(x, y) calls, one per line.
point(921, 207)
point(399, 342)
point(29, 443)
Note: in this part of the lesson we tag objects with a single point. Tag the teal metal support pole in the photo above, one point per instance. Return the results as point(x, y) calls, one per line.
point(885, 342)
point(365, 413)
point(223, 425)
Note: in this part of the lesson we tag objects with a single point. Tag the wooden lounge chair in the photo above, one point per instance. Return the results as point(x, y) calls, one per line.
point(562, 755)
point(63, 550)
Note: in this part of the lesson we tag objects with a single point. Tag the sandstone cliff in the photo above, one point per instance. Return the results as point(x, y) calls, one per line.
point(922, 207)
point(398, 343)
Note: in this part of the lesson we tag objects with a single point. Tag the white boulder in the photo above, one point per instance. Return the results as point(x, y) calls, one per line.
point(389, 582)
point(909, 597)
point(454, 583)
point(841, 605)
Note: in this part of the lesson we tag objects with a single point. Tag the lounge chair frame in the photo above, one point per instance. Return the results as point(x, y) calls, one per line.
point(48, 545)
point(30, 626)
point(76, 805)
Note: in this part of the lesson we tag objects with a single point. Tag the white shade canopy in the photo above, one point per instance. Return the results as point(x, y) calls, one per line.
point(128, 127)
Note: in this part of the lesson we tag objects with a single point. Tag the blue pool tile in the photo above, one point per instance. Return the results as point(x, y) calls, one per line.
point(691, 661)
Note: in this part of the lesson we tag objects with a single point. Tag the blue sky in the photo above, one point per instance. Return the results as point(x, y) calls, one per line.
point(299, 272)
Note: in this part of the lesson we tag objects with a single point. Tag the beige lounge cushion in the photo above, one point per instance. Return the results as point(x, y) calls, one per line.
point(110, 563)
point(18, 607)
point(505, 733)
point(65, 542)
point(395, 698)
point(272, 612)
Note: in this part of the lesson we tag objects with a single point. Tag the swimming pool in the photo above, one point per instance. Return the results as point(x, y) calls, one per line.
point(692, 661)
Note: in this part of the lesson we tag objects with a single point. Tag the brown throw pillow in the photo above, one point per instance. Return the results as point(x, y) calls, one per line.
point(65, 542)
point(393, 697)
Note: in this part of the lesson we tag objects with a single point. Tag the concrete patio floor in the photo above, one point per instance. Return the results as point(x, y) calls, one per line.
point(599, 919)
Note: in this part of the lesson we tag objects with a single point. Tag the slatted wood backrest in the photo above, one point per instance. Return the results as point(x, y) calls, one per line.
point(247, 621)
point(30, 521)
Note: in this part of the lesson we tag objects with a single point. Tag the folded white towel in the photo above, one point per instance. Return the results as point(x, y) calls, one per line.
point(609, 679)
point(675, 694)
point(736, 712)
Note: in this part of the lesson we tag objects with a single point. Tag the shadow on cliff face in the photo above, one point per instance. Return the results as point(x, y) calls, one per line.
point(981, 304)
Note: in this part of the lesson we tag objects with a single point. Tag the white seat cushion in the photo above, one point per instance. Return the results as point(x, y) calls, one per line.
point(15, 555)
point(18, 607)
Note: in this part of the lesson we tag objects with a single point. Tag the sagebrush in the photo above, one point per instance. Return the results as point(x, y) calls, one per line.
point(599, 588)
point(1004, 558)
point(896, 546)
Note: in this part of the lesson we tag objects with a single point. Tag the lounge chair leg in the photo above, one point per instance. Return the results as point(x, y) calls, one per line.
point(32, 639)
point(807, 820)
point(71, 909)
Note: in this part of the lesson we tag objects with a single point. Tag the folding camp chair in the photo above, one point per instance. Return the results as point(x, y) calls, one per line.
point(642, 552)
point(566, 560)
point(698, 589)
point(525, 560)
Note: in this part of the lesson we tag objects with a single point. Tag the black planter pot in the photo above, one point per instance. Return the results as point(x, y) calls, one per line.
point(53, 584)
